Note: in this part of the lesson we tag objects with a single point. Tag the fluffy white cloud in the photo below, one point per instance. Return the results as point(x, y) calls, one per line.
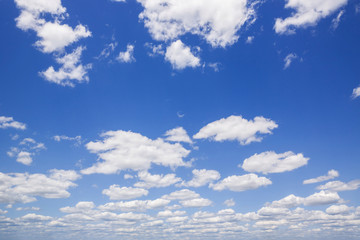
point(271, 162)
point(339, 186)
point(38, 6)
point(24, 187)
point(124, 193)
point(338, 209)
point(237, 128)
point(241, 183)
point(307, 13)
point(217, 22)
point(168, 213)
point(32, 217)
point(322, 198)
point(128, 55)
point(331, 175)
point(178, 134)
point(197, 202)
point(356, 92)
point(229, 202)
point(71, 71)
point(180, 56)
point(202, 177)
point(288, 202)
point(122, 150)
point(150, 181)
point(272, 211)
point(135, 205)
point(184, 194)
point(24, 158)
point(289, 59)
point(9, 122)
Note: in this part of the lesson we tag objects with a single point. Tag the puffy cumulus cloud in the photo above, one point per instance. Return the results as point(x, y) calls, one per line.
point(241, 183)
point(271, 211)
point(157, 180)
point(128, 55)
point(196, 202)
point(135, 205)
point(229, 202)
point(178, 134)
point(122, 150)
point(24, 187)
point(168, 213)
point(339, 186)
point(331, 175)
point(115, 192)
point(32, 217)
point(288, 202)
point(180, 56)
point(271, 162)
point(9, 122)
point(322, 198)
point(356, 93)
point(289, 59)
point(24, 158)
point(184, 194)
point(338, 209)
point(72, 71)
point(54, 36)
point(237, 128)
point(306, 13)
point(202, 177)
point(79, 207)
point(217, 22)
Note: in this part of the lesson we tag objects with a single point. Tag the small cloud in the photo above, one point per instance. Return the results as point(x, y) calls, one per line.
point(9, 122)
point(230, 202)
point(215, 66)
point(356, 93)
point(289, 59)
point(128, 55)
point(336, 21)
point(249, 39)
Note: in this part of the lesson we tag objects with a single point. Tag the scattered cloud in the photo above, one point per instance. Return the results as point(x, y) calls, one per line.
point(122, 150)
point(28, 147)
point(339, 186)
point(71, 71)
point(249, 39)
point(336, 21)
point(338, 209)
point(24, 158)
point(306, 13)
point(180, 56)
point(59, 138)
point(237, 128)
point(24, 187)
point(184, 194)
point(229, 202)
point(271, 162)
point(331, 175)
point(135, 205)
point(9, 122)
point(241, 183)
point(289, 59)
point(202, 177)
point(218, 23)
point(196, 202)
point(115, 192)
point(178, 134)
point(356, 93)
point(109, 48)
point(156, 181)
point(128, 55)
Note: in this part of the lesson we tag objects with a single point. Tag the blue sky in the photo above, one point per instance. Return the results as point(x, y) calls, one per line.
point(179, 119)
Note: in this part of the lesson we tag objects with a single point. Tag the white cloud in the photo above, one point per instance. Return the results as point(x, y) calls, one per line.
point(288, 202)
point(59, 138)
point(271, 162)
point(27, 209)
point(71, 71)
point(135, 205)
point(9, 122)
point(241, 183)
point(156, 181)
point(168, 213)
point(184, 194)
point(109, 48)
point(115, 192)
point(79, 207)
point(272, 211)
point(122, 150)
point(331, 175)
point(338, 209)
point(180, 56)
point(289, 59)
point(336, 21)
point(128, 176)
point(356, 92)
point(178, 134)
point(202, 177)
point(24, 187)
point(339, 186)
point(24, 158)
point(217, 22)
point(237, 128)
point(229, 202)
point(322, 198)
point(307, 13)
point(249, 39)
point(128, 55)
point(197, 202)
point(32, 217)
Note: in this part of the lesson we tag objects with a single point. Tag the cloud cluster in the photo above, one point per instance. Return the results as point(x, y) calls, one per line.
point(27, 148)
point(331, 175)
point(9, 122)
point(241, 183)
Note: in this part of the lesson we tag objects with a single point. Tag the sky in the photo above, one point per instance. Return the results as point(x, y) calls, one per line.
point(179, 119)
